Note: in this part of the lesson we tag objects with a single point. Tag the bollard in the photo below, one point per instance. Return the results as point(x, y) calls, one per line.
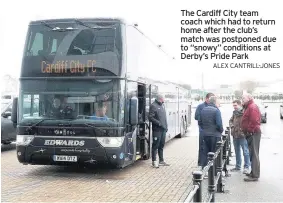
point(215, 169)
point(224, 147)
point(215, 165)
point(211, 178)
point(227, 143)
point(224, 153)
point(219, 167)
point(229, 136)
point(197, 180)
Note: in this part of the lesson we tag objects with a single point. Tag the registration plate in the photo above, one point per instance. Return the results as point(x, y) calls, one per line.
point(65, 158)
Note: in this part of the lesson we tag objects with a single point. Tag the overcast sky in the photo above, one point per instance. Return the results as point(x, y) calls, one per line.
point(160, 20)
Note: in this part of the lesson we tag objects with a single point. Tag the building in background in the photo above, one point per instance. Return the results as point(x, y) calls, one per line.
point(9, 86)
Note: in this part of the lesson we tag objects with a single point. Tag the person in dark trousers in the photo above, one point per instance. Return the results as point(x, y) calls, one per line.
point(211, 125)
point(239, 140)
point(157, 115)
point(251, 127)
point(201, 156)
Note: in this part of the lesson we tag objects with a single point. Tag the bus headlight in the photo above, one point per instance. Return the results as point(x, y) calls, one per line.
point(110, 141)
point(24, 139)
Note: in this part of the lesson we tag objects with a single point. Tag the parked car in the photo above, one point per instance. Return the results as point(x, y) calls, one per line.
point(262, 108)
point(8, 128)
point(281, 111)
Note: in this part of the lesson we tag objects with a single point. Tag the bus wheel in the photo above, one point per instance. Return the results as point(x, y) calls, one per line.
point(184, 127)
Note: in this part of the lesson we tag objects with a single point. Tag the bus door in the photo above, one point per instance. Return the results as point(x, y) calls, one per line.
point(143, 141)
point(131, 131)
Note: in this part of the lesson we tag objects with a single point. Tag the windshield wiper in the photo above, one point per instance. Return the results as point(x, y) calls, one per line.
point(97, 128)
point(86, 124)
point(29, 128)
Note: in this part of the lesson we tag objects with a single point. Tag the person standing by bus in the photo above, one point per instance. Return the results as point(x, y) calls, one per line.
point(157, 115)
point(201, 156)
point(239, 140)
point(251, 127)
point(211, 126)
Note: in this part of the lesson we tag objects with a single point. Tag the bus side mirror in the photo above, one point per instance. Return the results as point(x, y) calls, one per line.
point(134, 111)
point(14, 110)
point(6, 114)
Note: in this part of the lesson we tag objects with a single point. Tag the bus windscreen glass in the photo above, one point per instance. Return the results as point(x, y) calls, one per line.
point(72, 49)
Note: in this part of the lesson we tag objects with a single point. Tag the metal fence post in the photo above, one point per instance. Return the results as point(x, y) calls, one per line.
point(211, 178)
point(224, 153)
point(227, 146)
point(229, 135)
point(215, 167)
point(197, 180)
point(219, 167)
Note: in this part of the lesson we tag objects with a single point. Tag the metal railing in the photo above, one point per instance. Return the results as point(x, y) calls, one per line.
point(217, 162)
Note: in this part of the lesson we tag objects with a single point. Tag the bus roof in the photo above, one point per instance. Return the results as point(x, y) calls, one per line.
point(66, 20)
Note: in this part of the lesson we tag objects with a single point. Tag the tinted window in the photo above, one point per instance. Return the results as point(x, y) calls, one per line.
point(70, 49)
point(77, 40)
point(36, 45)
point(86, 99)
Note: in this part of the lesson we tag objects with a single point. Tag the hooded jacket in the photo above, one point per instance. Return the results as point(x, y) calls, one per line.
point(235, 124)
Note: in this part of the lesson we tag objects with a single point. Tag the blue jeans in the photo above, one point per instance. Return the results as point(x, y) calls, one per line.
point(238, 144)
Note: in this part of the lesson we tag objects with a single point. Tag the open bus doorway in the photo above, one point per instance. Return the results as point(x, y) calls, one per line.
point(143, 143)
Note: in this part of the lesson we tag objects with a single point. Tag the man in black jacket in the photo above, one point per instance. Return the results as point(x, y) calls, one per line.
point(157, 115)
point(211, 125)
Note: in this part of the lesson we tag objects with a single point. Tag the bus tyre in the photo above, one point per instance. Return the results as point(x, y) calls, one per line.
point(184, 127)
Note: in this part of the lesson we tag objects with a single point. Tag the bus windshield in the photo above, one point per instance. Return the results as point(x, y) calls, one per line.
point(90, 100)
point(60, 48)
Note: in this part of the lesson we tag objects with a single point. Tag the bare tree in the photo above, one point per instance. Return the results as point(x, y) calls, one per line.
point(249, 86)
point(186, 86)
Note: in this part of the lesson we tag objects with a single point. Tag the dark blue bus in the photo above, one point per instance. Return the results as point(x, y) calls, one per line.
point(85, 90)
